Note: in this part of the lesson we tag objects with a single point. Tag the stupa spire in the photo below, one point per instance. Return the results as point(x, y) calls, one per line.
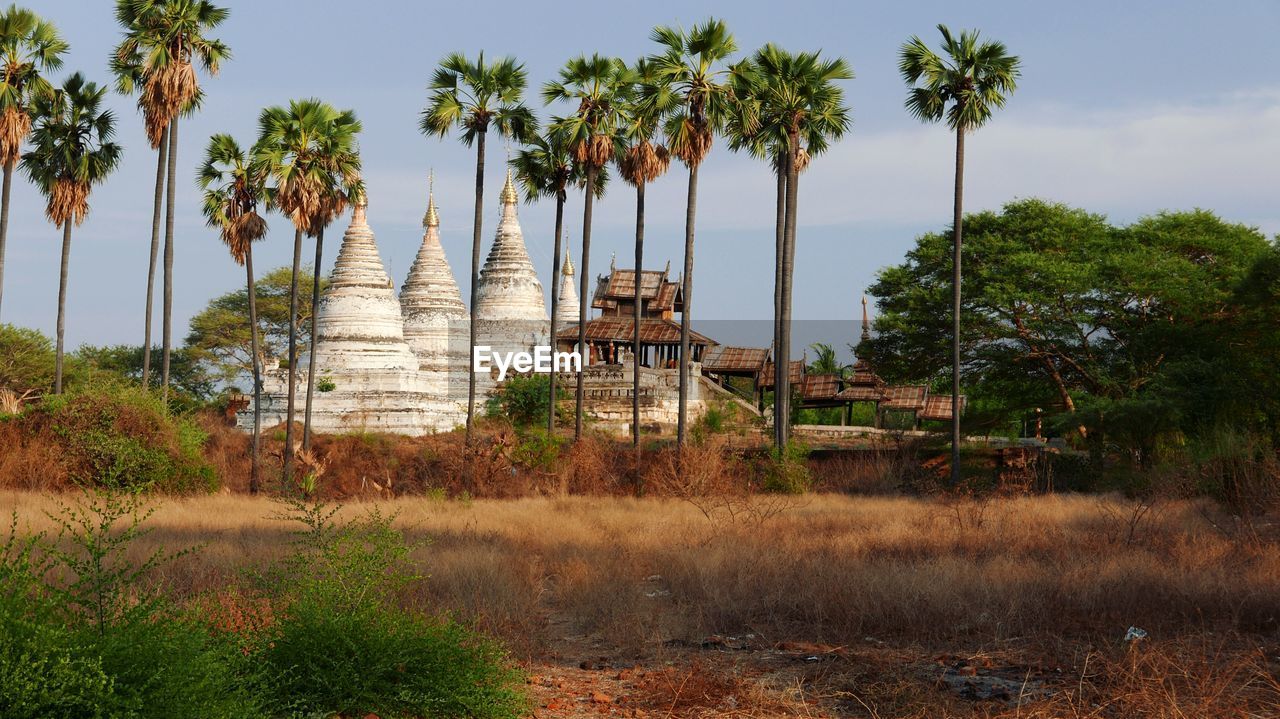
point(432, 218)
point(866, 323)
point(567, 300)
point(509, 194)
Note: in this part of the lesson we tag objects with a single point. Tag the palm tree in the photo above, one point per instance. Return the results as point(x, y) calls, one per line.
point(601, 86)
point(691, 63)
point(162, 39)
point(789, 109)
point(29, 46)
point(545, 168)
point(340, 183)
point(233, 190)
point(642, 161)
point(306, 150)
point(71, 152)
point(474, 96)
point(964, 88)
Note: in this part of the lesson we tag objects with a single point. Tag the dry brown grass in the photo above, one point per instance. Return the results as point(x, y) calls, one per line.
point(1053, 580)
point(827, 568)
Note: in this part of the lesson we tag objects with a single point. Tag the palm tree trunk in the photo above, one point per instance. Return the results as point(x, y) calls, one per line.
point(635, 348)
point(788, 267)
point(957, 224)
point(555, 305)
point(4, 217)
point(475, 282)
point(691, 209)
point(587, 206)
point(170, 200)
point(254, 482)
point(311, 351)
point(779, 251)
point(62, 306)
point(162, 155)
point(293, 357)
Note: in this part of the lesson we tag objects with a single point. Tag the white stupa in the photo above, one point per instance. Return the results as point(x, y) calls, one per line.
point(567, 299)
point(509, 289)
point(435, 320)
point(368, 378)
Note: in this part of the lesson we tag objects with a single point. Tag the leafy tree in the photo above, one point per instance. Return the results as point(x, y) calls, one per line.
point(29, 47)
point(474, 96)
point(1064, 310)
point(163, 39)
point(72, 151)
point(601, 87)
point(189, 376)
point(964, 88)
point(219, 335)
point(26, 360)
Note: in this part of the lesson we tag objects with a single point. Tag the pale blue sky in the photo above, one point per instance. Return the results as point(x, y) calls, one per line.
point(1122, 110)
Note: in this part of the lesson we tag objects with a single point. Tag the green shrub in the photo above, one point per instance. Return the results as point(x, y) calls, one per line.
point(346, 646)
point(122, 436)
point(524, 399)
point(102, 644)
point(537, 449)
point(787, 471)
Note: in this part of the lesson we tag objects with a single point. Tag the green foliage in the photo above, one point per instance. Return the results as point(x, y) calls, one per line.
point(346, 646)
point(537, 449)
point(26, 361)
point(219, 340)
point(104, 644)
point(786, 471)
point(188, 376)
point(1060, 307)
point(524, 399)
point(122, 436)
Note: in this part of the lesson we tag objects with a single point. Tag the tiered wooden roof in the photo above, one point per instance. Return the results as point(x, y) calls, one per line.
point(735, 360)
point(658, 293)
point(653, 331)
point(819, 387)
point(862, 393)
point(906, 397)
point(938, 407)
point(796, 374)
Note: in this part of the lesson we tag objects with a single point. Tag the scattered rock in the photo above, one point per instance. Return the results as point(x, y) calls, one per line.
point(600, 698)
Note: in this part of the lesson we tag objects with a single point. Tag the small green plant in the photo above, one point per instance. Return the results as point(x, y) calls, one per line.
point(325, 384)
point(105, 643)
point(537, 449)
point(787, 472)
point(523, 400)
point(347, 646)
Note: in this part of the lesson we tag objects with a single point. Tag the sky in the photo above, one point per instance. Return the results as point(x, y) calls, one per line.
point(1122, 108)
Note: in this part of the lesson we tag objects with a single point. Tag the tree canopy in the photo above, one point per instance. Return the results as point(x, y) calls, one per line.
point(1066, 312)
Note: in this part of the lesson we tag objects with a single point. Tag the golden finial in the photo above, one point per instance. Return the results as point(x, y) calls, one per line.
point(432, 218)
point(568, 261)
point(509, 196)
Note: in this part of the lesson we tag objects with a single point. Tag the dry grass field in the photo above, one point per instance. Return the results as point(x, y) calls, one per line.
point(822, 604)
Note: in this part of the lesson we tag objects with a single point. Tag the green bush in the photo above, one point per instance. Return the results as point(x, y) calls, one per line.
point(787, 471)
point(122, 436)
point(537, 449)
point(524, 399)
point(346, 646)
point(101, 644)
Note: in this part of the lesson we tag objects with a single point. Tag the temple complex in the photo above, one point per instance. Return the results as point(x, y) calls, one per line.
point(402, 364)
